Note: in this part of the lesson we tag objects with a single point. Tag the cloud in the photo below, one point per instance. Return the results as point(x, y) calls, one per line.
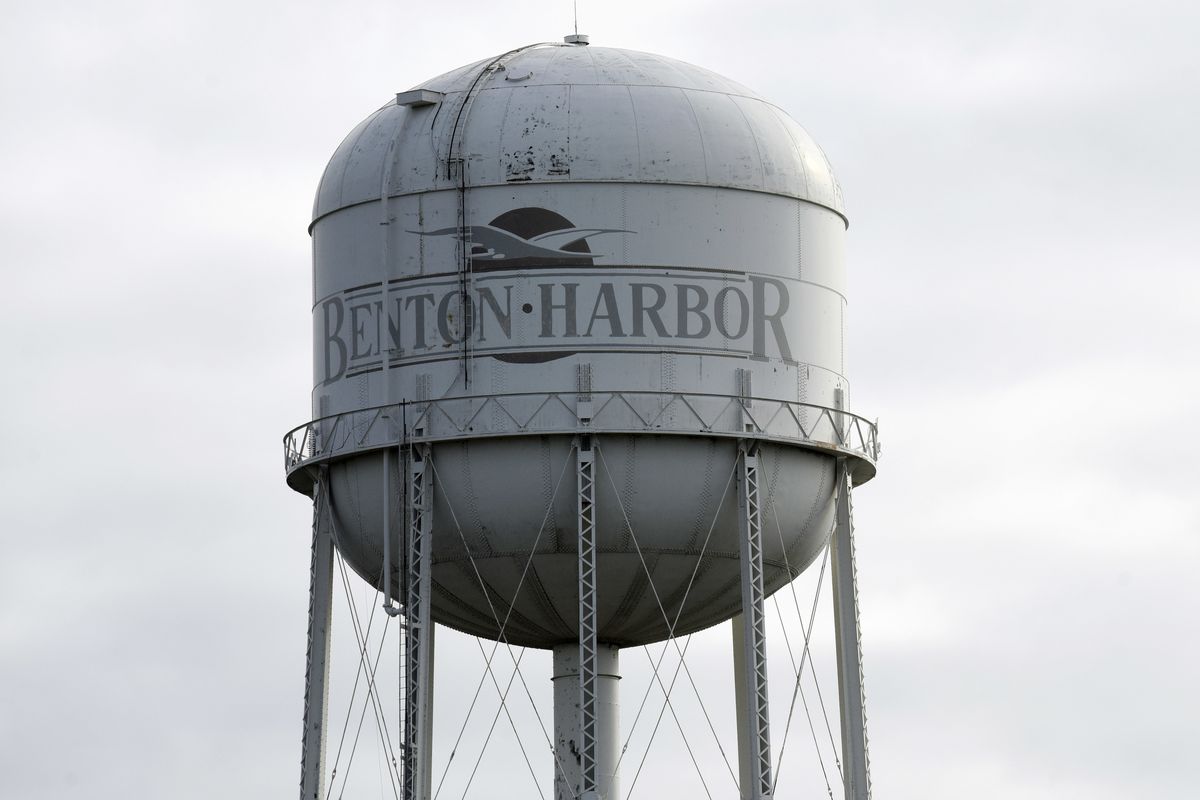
point(1020, 180)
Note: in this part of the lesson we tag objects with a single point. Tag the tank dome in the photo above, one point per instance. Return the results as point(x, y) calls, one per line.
point(574, 113)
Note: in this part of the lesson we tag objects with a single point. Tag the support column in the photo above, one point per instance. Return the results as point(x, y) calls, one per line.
point(418, 629)
point(567, 736)
point(392, 609)
point(586, 658)
point(856, 768)
point(425, 744)
point(316, 670)
point(737, 626)
point(754, 746)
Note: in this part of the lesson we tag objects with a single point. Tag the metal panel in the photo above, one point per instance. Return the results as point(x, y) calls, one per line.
point(604, 134)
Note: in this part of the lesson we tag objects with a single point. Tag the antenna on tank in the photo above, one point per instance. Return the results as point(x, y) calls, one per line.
point(576, 37)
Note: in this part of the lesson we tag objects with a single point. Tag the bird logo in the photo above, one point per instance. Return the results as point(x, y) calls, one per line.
point(526, 238)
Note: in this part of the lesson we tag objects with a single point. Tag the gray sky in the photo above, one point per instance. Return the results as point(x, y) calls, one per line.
point(1021, 181)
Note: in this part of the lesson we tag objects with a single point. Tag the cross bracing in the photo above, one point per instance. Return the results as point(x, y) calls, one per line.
point(758, 517)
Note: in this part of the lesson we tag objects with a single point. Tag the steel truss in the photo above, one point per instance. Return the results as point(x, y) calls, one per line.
point(756, 752)
point(418, 627)
point(586, 481)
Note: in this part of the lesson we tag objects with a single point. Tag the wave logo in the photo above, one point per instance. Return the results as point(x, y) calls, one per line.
point(527, 238)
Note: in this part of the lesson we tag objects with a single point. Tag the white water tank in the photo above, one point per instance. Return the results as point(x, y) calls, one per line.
point(567, 241)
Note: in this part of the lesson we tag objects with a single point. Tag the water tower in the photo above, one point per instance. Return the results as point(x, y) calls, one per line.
point(579, 322)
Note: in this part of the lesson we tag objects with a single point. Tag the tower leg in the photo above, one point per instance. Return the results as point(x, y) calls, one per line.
point(425, 745)
point(418, 629)
point(754, 744)
point(567, 734)
point(737, 627)
point(316, 670)
point(852, 702)
point(392, 609)
point(586, 658)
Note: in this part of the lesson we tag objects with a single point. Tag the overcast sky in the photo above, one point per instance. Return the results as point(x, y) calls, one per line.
point(1021, 179)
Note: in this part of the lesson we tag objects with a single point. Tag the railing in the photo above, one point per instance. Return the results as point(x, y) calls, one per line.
point(537, 413)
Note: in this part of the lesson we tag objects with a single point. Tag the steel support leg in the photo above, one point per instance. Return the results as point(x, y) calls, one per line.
point(755, 746)
point(737, 626)
point(586, 484)
point(418, 639)
point(316, 670)
point(856, 767)
point(392, 609)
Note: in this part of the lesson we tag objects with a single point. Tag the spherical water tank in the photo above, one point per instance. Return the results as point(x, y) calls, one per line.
point(573, 241)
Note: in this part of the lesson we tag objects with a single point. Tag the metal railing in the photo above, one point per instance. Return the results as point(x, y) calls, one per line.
point(539, 413)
